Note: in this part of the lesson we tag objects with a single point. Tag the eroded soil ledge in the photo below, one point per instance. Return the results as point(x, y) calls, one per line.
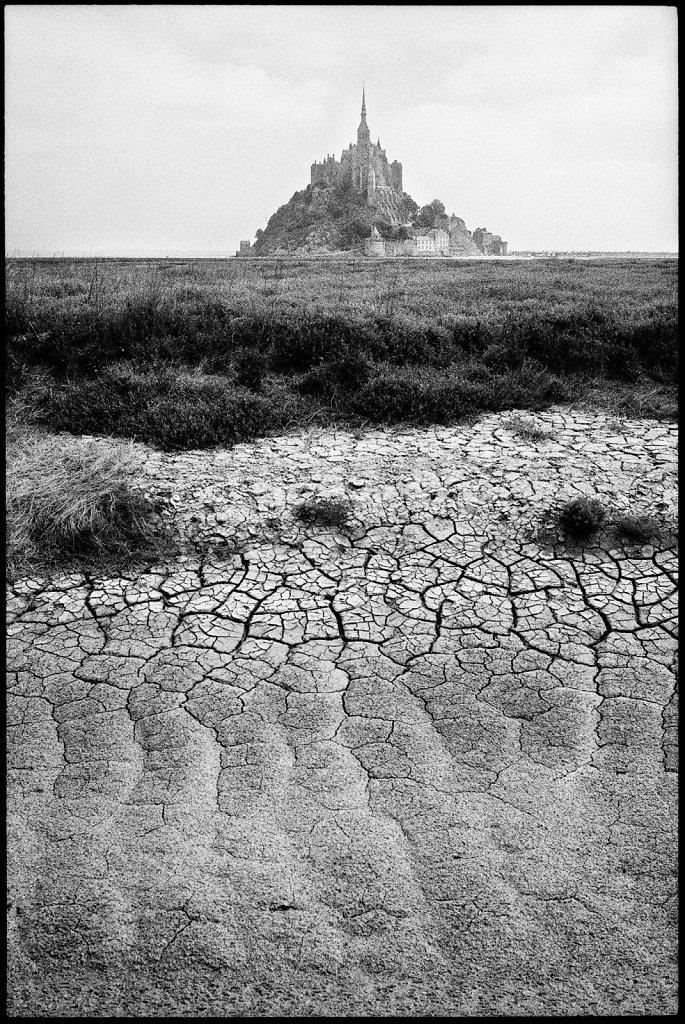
point(424, 763)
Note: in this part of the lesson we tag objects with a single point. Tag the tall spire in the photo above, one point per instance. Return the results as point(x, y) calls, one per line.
point(363, 133)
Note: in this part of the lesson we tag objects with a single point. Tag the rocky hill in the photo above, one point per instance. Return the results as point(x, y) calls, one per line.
point(325, 218)
point(462, 244)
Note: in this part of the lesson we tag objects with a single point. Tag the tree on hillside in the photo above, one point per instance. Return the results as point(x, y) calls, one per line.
point(427, 214)
point(425, 217)
point(411, 207)
point(395, 233)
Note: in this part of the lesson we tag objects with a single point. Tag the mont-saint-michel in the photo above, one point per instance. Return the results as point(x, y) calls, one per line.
point(357, 204)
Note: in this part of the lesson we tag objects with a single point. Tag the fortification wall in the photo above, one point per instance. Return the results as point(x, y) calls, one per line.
point(326, 172)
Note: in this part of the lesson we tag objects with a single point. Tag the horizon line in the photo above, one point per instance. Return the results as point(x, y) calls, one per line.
point(220, 254)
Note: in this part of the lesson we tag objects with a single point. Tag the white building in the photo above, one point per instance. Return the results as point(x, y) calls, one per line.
point(431, 242)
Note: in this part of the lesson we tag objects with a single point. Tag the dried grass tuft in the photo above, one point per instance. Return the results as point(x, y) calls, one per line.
point(73, 500)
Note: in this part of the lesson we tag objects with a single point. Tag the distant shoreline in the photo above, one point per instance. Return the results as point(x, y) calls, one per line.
point(344, 257)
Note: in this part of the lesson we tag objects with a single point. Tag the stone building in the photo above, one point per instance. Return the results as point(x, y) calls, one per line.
point(375, 245)
point(430, 242)
point(489, 244)
point(423, 242)
point(365, 166)
point(450, 239)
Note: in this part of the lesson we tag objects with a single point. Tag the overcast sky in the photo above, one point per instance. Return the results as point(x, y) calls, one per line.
point(170, 128)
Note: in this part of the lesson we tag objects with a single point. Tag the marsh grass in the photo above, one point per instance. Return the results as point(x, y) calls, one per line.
point(640, 399)
point(70, 502)
point(270, 343)
point(527, 429)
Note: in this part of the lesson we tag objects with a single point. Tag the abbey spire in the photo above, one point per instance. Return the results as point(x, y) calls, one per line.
point(363, 133)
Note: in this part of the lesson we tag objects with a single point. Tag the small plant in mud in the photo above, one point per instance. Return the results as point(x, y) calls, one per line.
point(333, 512)
point(637, 528)
point(582, 516)
point(527, 429)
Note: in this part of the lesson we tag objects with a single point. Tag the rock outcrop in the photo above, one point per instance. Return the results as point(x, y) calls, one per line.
point(326, 218)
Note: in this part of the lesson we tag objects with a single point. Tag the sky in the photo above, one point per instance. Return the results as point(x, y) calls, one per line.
point(155, 129)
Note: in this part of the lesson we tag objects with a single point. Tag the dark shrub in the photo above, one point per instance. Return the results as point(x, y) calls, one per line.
point(654, 344)
point(299, 344)
point(416, 394)
point(336, 378)
point(16, 315)
point(250, 368)
point(333, 512)
point(431, 395)
point(78, 340)
point(391, 397)
point(317, 383)
point(350, 372)
point(400, 342)
point(528, 386)
point(15, 371)
point(161, 407)
point(470, 338)
point(637, 528)
point(582, 516)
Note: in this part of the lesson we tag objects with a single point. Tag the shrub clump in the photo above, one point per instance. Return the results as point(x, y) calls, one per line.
point(527, 429)
point(428, 394)
point(637, 528)
point(582, 516)
point(415, 394)
point(333, 512)
point(166, 407)
point(337, 378)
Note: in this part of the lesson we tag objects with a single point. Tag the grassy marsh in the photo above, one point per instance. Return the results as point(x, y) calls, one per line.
point(196, 353)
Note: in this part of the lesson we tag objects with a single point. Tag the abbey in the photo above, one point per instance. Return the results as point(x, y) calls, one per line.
point(364, 165)
point(357, 204)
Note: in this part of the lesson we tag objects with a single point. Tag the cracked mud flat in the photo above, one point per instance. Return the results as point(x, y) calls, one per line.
point(424, 766)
